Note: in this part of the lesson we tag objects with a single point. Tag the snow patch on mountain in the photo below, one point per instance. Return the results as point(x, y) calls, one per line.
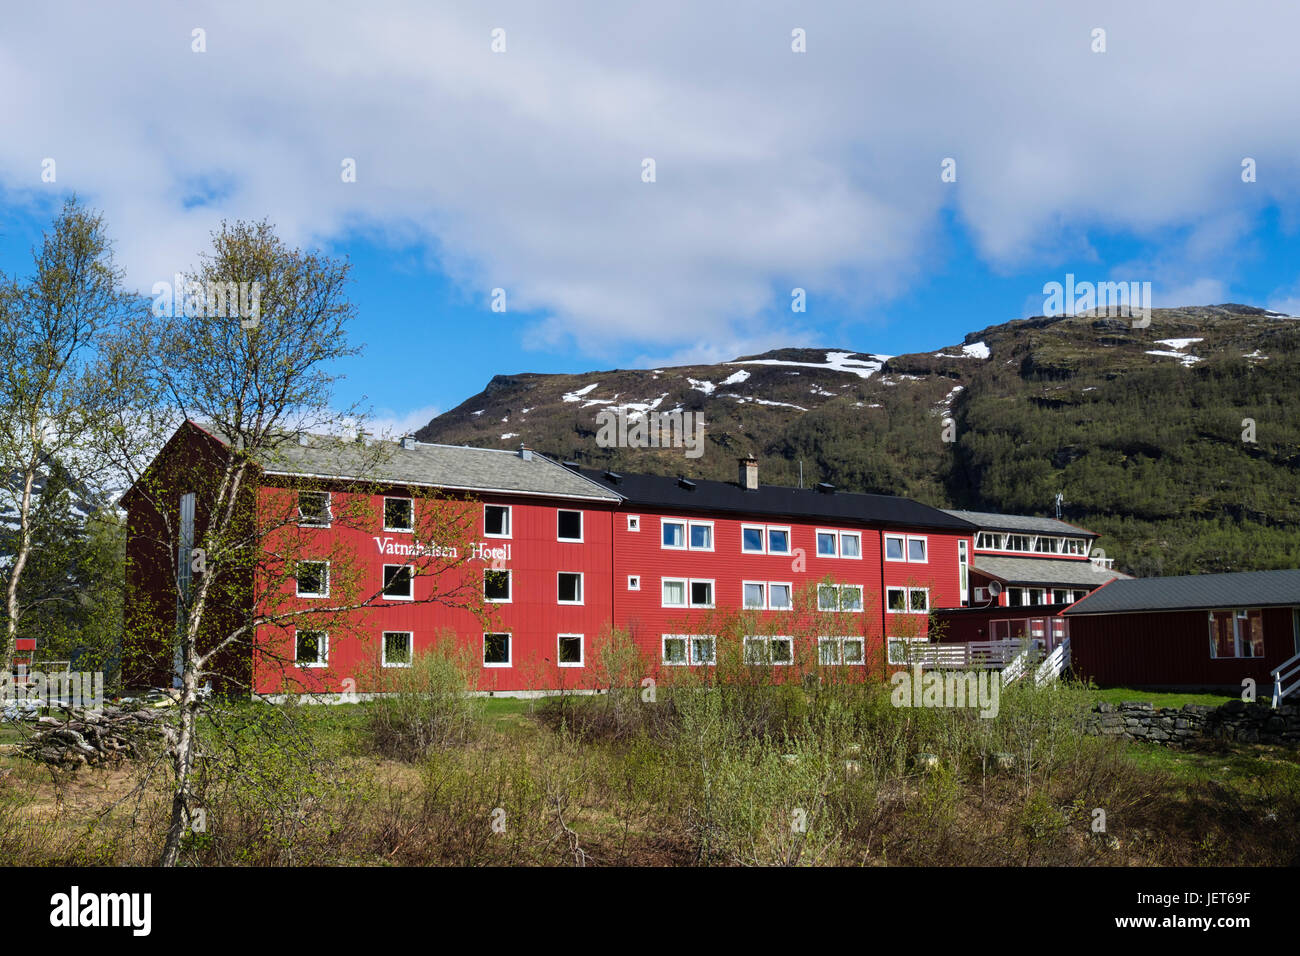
point(735, 378)
point(835, 362)
point(699, 386)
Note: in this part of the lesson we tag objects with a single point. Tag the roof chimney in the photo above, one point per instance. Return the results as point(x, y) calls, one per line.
point(525, 452)
point(749, 473)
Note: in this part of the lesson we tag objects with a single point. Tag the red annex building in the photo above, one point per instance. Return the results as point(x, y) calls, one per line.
point(564, 553)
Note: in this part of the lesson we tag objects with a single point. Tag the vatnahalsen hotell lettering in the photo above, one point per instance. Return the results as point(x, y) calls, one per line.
point(480, 550)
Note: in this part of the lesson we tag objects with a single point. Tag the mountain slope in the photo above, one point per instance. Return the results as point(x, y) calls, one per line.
point(1140, 429)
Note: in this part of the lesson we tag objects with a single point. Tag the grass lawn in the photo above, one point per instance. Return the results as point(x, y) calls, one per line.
point(1118, 695)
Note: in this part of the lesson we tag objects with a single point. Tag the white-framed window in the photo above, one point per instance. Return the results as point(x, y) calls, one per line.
point(311, 648)
point(634, 582)
point(851, 544)
point(907, 600)
point(1237, 632)
point(569, 650)
point(1015, 597)
point(778, 540)
point(780, 595)
point(674, 592)
point(570, 587)
point(918, 549)
point(701, 593)
point(1037, 595)
point(762, 649)
point(399, 582)
point(497, 585)
point(963, 570)
point(399, 514)
point(398, 648)
point(839, 597)
point(568, 525)
point(633, 522)
point(686, 649)
point(313, 579)
point(895, 547)
point(754, 595)
point(700, 537)
point(496, 650)
point(900, 648)
point(496, 521)
point(672, 534)
point(314, 509)
point(827, 544)
point(751, 539)
point(841, 650)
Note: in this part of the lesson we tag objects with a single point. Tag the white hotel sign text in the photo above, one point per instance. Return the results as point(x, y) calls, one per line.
point(479, 551)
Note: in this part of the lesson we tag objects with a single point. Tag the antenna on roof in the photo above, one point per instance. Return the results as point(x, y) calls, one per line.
point(1060, 500)
point(800, 472)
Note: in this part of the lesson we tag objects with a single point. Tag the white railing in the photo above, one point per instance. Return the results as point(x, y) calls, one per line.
point(1285, 672)
point(1015, 668)
point(991, 654)
point(1054, 664)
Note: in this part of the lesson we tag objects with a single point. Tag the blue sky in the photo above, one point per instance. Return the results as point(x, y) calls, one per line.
point(522, 169)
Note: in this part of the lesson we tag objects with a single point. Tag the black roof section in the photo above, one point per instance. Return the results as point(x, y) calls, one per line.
point(1194, 592)
point(698, 494)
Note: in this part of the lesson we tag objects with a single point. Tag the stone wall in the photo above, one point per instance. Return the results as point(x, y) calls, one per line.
point(1234, 721)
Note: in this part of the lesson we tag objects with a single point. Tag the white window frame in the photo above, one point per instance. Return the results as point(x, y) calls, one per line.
point(765, 641)
point(889, 605)
point(685, 526)
point(840, 545)
point(383, 648)
point(582, 651)
point(634, 523)
point(761, 606)
point(510, 648)
point(634, 582)
point(838, 609)
point(329, 509)
point(582, 588)
point(910, 592)
point(789, 585)
point(901, 539)
point(510, 588)
point(691, 526)
point(762, 539)
point(582, 526)
point(925, 544)
point(838, 643)
point(410, 501)
point(686, 592)
point(689, 645)
point(383, 592)
point(713, 592)
point(890, 642)
point(789, 540)
point(299, 592)
point(835, 542)
point(510, 521)
point(324, 656)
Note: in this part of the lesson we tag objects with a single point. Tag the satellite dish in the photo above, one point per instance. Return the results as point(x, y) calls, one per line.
point(995, 588)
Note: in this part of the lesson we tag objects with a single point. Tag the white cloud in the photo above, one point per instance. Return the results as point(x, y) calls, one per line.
point(774, 169)
point(387, 423)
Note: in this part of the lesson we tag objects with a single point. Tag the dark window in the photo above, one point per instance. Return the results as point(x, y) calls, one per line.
point(496, 585)
point(398, 514)
point(496, 520)
point(314, 508)
point(398, 581)
point(570, 587)
point(397, 647)
point(570, 648)
point(310, 647)
point(570, 526)
point(496, 649)
point(701, 593)
point(313, 577)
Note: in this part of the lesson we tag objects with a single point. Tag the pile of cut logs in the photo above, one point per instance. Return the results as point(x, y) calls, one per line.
point(86, 737)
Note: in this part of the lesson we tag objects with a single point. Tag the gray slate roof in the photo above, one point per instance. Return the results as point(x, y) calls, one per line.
point(440, 466)
point(1044, 571)
point(992, 521)
point(1191, 592)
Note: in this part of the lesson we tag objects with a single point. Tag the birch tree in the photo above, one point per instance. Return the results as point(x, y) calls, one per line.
point(61, 381)
point(250, 387)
